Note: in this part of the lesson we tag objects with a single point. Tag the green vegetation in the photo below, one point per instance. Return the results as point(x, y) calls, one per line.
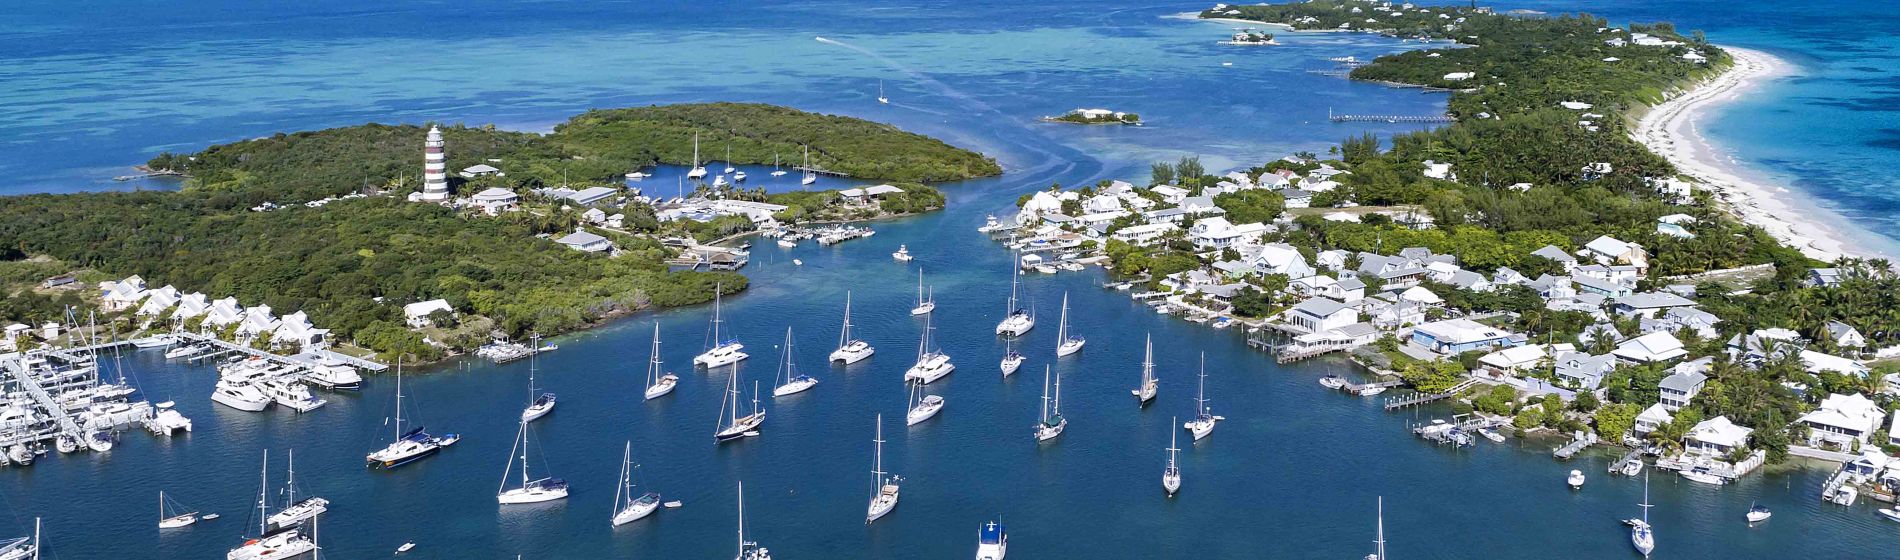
point(1097, 116)
point(597, 146)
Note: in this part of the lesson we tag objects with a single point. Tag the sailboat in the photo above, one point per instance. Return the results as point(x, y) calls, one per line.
point(282, 543)
point(1171, 476)
point(1012, 360)
point(924, 304)
point(698, 172)
point(630, 507)
point(776, 172)
point(719, 352)
point(734, 426)
point(296, 512)
point(880, 93)
point(1052, 420)
point(22, 548)
point(883, 488)
point(1018, 320)
point(809, 176)
point(1378, 540)
point(923, 406)
point(531, 491)
point(931, 365)
point(791, 381)
point(728, 157)
point(850, 350)
point(1145, 393)
point(658, 384)
point(1203, 424)
point(748, 550)
point(411, 445)
point(171, 514)
point(538, 405)
point(1642, 536)
point(1065, 344)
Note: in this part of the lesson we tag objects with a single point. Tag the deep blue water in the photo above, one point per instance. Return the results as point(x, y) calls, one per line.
point(1294, 472)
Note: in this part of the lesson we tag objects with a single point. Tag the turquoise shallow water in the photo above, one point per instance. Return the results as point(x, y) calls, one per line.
point(1294, 472)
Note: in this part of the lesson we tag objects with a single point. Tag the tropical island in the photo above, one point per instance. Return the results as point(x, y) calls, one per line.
point(537, 234)
point(1095, 116)
point(1531, 262)
point(1250, 37)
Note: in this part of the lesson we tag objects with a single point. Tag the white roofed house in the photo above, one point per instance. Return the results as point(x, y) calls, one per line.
point(1608, 250)
point(1102, 203)
point(1843, 421)
point(1651, 348)
point(1215, 232)
point(1169, 193)
point(1649, 304)
point(1457, 336)
point(1398, 315)
point(417, 314)
point(159, 300)
point(1683, 384)
point(1512, 361)
point(1557, 255)
point(191, 305)
point(121, 295)
point(1584, 370)
point(594, 216)
point(1650, 419)
point(1844, 336)
point(224, 312)
point(1716, 436)
point(1507, 276)
point(582, 240)
point(258, 321)
point(296, 331)
point(1144, 234)
point(1678, 319)
point(1320, 314)
point(495, 200)
point(1279, 258)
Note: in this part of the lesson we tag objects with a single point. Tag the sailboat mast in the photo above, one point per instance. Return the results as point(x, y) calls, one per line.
point(290, 480)
point(845, 335)
point(263, 487)
point(1200, 395)
point(1045, 394)
point(653, 363)
point(1058, 404)
point(742, 518)
point(1379, 544)
point(877, 463)
point(1148, 363)
point(1062, 325)
point(532, 353)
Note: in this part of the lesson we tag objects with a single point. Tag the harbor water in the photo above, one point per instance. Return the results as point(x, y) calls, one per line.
point(1293, 472)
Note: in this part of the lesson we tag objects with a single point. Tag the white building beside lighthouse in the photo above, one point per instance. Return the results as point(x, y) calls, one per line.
point(435, 176)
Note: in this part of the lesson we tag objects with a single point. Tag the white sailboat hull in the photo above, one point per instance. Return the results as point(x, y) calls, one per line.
point(664, 386)
point(530, 496)
point(924, 308)
point(794, 387)
point(853, 352)
point(288, 544)
point(1199, 428)
point(885, 501)
point(1147, 392)
point(635, 512)
point(925, 410)
point(723, 355)
point(1171, 482)
point(1070, 346)
point(1015, 325)
point(1011, 364)
point(930, 369)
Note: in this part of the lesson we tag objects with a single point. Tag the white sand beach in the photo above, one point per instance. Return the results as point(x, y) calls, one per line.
point(1672, 129)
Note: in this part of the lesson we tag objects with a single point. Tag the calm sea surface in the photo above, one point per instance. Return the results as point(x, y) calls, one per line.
point(1292, 473)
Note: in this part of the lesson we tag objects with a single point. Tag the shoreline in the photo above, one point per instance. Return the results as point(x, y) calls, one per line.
point(1672, 129)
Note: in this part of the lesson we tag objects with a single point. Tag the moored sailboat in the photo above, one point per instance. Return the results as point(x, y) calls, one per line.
point(658, 384)
point(1171, 476)
point(884, 487)
point(628, 506)
point(732, 426)
point(850, 350)
point(923, 406)
point(532, 490)
point(1016, 320)
point(924, 304)
point(172, 515)
point(1145, 393)
point(1052, 422)
point(541, 404)
point(270, 544)
point(1203, 422)
point(931, 364)
point(698, 171)
point(791, 381)
point(1066, 344)
point(409, 446)
point(1642, 536)
point(748, 550)
point(296, 512)
point(719, 352)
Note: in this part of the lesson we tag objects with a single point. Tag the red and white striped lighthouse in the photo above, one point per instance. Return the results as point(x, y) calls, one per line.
point(435, 176)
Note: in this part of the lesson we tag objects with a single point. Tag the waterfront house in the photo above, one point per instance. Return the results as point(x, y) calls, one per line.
point(1651, 348)
point(1584, 370)
point(191, 305)
point(1824, 277)
point(582, 240)
point(1843, 421)
point(1650, 419)
point(495, 200)
point(1609, 251)
point(867, 194)
point(1716, 437)
point(1457, 336)
point(1844, 335)
point(224, 312)
point(1145, 234)
point(1320, 314)
point(1512, 361)
point(159, 300)
point(1169, 193)
point(592, 195)
point(417, 314)
point(1649, 304)
point(1683, 384)
point(295, 331)
point(258, 321)
point(1558, 256)
point(121, 295)
point(1102, 204)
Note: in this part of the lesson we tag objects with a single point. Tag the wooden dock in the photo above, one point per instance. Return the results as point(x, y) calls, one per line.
point(1415, 399)
point(1582, 441)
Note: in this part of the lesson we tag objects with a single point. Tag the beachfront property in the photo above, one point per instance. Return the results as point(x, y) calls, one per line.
point(1320, 314)
point(1650, 419)
point(1716, 437)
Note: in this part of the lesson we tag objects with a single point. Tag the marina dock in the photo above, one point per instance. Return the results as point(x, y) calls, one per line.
point(1582, 440)
point(1415, 399)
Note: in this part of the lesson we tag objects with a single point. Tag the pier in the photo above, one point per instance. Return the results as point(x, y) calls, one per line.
point(62, 418)
point(1420, 119)
point(1629, 464)
point(306, 359)
point(1415, 399)
point(1583, 440)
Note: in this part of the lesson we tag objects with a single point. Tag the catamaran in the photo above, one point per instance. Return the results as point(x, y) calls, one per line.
point(658, 384)
point(1018, 320)
point(1052, 420)
point(850, 350)
point(790, 380)
point(269, 544)
point(931, 365)
point(531, 491)
point(411, 445)
point(630, 507)
point(992, 542)
point(1203, 424)
point(1642, 536)
point(923, 406)
point(172, 515)
point(883, 485)
point(698, 171)
point(748, 550)
point(809, 176)
point(1171, 476)
point(1065, 344)
point(296, 512)
point(719, 352)
point(734, 426)
point(924, 304)
point(538, 405)
point(1145, 393)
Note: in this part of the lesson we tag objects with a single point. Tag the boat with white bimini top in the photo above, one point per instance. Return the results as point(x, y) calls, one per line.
point(791, 382)
point(239, 394)
point(538, 404)
point(334, 374)
point(748, 550)
point(172, 515)
point(290, 393)
point(532, 490)
point(155, 341)
point(719, 352)
point(1202, 424)
point(630, 507)
point(1575, 480)
point(1642, 536)
point(1066, 344)
point(992, 541)
point(1145, 393)
point(884, 487)
point(902, 254)
point(733, 426)
point(1017, 321)
point(1171, 476)
point(923, 406)
point(1052, 422)
point(925, 304)
point(409, 446)
point(658, 384)
point(931, 364)
point(850, 350)
point(296, 512)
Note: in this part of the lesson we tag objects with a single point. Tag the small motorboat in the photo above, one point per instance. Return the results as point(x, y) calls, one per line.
point(406, 547)
point(674, 504)
point(1757, 513)
point(1575, 480)
point(1890, 513)
point(1702, 475)
point(208, 517)
point(1332, 381)
point(902, 254)
point(1370, 391)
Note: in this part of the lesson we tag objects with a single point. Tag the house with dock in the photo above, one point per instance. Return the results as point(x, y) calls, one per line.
point(1843, 421)
point(1451, 337)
